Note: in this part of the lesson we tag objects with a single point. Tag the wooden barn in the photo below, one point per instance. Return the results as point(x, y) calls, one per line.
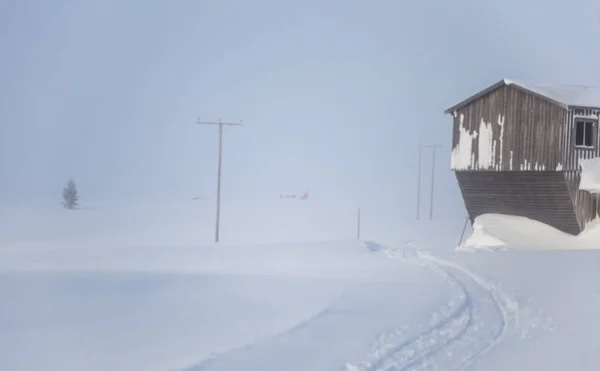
point(516, 149)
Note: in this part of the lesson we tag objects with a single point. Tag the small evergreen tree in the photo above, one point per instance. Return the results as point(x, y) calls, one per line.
point(70, 196)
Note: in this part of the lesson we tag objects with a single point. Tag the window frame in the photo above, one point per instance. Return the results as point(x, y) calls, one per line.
point(591, 121)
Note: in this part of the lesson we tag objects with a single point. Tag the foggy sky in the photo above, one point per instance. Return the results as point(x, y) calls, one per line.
point(335, 95)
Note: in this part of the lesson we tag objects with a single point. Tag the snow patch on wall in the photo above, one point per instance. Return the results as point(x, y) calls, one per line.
point(559, 167)
point(486, 146)
point(526, 165)
point(462, 157)
point(511, 161)
point(590, 175)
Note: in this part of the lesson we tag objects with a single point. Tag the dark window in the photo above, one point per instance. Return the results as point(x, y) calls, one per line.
point(589, 134)
point(579, 133)
point(584, 133)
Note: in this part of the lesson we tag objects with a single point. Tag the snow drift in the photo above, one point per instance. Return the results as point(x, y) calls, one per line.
point(152, 309)
point(504, 232)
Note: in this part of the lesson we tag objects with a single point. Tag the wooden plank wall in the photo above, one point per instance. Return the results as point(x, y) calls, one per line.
point(531, 138)
point(539, 195)
point(585, 204)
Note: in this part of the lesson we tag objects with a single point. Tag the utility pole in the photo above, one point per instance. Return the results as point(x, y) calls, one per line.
point(218, 122)
point(433, 147)
point(419, 183)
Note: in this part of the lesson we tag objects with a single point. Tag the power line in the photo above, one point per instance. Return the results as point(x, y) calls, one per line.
point(218, 122)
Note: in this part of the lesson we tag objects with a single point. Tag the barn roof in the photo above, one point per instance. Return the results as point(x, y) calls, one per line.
point(563, 95)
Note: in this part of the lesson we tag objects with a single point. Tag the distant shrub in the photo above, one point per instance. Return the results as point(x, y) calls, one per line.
point(70, 196)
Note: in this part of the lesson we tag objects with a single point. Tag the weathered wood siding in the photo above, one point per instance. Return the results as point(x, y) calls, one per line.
point(509, 130)
point(572, 154)
point(539, 195)
point(584, 203)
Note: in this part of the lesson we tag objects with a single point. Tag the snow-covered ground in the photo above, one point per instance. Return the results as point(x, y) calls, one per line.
point(143, 289)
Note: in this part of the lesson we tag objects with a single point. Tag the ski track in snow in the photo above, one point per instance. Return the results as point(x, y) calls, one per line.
point(462, 331)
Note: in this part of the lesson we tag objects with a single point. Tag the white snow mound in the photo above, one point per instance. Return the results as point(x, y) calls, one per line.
point(481, 238)
point(590, 175)
point(509, 232)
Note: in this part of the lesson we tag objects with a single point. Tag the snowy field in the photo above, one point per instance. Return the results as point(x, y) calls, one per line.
point(292, 289)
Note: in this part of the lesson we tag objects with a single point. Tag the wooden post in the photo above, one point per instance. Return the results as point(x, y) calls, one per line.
point(463, 231)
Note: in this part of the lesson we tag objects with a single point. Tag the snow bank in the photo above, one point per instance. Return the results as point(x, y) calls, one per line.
point(158, 309)
point(558, 299)
point(143, 321)
point(190, 223)
point(346, 260)
point(494, 232)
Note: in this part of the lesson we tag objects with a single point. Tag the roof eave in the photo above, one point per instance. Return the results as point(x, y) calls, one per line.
point(499, 84)
point(475, 96)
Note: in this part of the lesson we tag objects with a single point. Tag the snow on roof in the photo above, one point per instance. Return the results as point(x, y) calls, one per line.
point(569, 95)
point(564, 95)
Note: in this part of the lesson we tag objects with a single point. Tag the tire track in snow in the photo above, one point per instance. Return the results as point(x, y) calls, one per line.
point(459, 338)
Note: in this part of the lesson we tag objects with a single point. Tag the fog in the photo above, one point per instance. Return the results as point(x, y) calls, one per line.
point(334, 96)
